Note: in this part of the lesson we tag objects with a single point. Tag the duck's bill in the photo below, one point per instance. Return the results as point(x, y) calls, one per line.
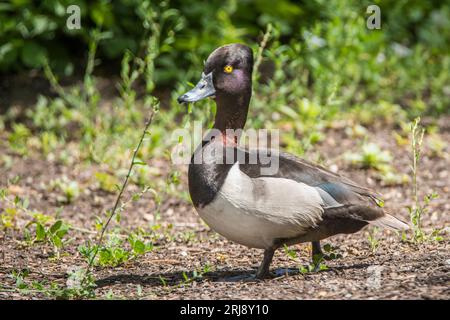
point(203, 89)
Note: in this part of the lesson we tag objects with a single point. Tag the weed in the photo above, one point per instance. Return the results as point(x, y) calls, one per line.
point(117, 250)
point(197, 275)
point(8, 218)
point(318, 260)
point(289, 252)
point(419, 208)
point(41, 228)
point(53, 235)
point(107, 182)
point(18, 138)
point(370, 157)
point(52, 289)
point(163, 281)
point(330, 253)
point(373, 240)
point(116, 254)
point(70, 189)
point(436, 145)
point(189, 237)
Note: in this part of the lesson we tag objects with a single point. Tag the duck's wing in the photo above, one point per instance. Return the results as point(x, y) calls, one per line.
point(343, 199)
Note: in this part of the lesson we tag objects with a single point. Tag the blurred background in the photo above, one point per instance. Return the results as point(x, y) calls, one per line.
point(405, 62)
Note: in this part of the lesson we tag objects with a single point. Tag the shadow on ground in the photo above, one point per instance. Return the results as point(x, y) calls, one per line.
point(179, 277)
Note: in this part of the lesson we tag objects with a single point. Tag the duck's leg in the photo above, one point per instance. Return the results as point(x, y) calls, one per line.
point(316, 249)
point(317, 255)
point(264, 268)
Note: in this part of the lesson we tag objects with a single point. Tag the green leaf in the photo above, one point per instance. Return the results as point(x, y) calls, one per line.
point(57, 241)
point(139, 247)
point(138, 162)
point(33, 55)
point(40, 232)
point(8, 54)
point(56, 226)
point(61, 233)
point(25, 203)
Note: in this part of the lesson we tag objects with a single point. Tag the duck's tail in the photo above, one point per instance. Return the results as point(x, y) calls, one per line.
point(390, 222)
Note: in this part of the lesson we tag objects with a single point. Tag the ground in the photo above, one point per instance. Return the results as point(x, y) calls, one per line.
point(395, 270)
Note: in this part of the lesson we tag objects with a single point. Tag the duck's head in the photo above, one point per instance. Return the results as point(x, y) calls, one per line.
point(227, 73)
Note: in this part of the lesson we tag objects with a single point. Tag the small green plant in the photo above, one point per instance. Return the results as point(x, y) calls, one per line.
point(197, 275)
point(8, 218)
point(70, 189)
point(116, 254)
point(318, 260)
point(112, 253)
point(117, 250)
point(370, 157)
point(52, 289)
point(18, 139)
point(41, 228)
point(318, 264)
point(290, 253)
point(53, 235)
point(189, 236)
point(373, 240)
point(419, 208)
point(106, 181)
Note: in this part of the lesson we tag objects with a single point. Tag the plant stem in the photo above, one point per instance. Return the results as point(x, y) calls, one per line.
point(119, 196)
point(261, 48)
point(417, 134)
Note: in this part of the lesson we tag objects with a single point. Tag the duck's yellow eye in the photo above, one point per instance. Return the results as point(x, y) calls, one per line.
point(228, 69)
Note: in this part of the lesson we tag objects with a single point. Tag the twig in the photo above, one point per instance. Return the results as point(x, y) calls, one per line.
point(417, 134)
point(119, 196)
point(261, 48)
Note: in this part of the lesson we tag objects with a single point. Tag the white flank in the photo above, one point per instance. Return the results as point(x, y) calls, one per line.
point(254, 212)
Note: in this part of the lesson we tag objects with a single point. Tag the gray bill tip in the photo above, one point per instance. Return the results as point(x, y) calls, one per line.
point(203, 89)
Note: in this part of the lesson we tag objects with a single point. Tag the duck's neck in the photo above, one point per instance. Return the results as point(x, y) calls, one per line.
point(232, 111)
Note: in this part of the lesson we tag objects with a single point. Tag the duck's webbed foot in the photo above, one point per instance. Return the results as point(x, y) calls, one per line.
point(264, 269)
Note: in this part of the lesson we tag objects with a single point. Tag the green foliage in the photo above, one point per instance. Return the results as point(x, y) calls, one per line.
point(373, 240)
point(107, 182)
point(117, 250)
point(70, 189)
point(318, 260)
point(53, 235)
point(73, 290)
point(8, 218)
point(370, 157)
point(18, 138)
point(323, 46)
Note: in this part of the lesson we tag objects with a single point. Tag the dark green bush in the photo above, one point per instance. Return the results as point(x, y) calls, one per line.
point(326, 42)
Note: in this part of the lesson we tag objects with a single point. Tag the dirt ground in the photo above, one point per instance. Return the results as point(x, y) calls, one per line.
point(396, 270)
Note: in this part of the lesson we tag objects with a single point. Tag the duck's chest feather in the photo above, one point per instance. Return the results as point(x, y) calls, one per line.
point(207, 173)
point(253, 211)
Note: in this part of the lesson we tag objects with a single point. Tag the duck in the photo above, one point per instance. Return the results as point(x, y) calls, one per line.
point(298, 202)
